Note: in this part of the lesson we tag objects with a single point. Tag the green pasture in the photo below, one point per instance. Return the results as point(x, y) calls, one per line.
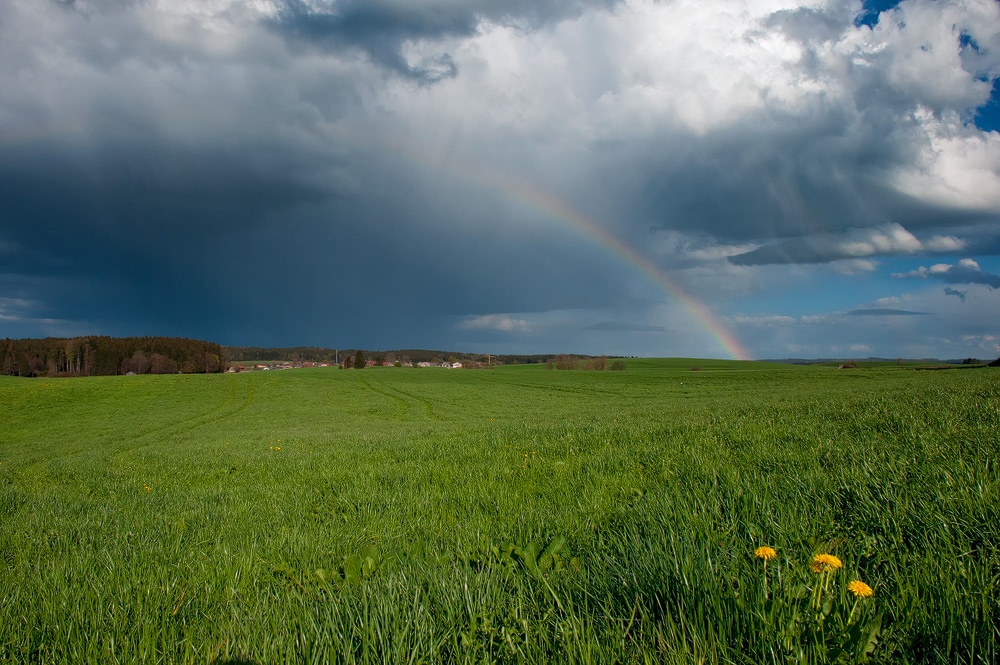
point(509, 515)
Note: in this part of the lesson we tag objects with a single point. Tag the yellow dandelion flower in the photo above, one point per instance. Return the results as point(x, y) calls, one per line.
point(765, 553)
point(825, 563)
point(860, 589)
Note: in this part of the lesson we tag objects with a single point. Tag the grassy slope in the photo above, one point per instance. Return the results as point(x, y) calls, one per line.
point(662, 481)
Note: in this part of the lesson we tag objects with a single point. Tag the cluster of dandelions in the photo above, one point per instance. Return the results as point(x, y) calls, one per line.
point(821, 564)
point(812, 614)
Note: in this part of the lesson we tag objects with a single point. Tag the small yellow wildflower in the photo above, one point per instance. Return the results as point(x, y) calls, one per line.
point(860, 589)
point(765, 553)
point(825, 563)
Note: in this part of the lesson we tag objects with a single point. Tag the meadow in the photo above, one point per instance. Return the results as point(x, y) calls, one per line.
point(512, 515)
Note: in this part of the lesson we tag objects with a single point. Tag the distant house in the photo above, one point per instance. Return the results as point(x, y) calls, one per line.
point(455, 365)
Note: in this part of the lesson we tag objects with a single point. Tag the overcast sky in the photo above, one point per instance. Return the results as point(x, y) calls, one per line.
point(759, 178)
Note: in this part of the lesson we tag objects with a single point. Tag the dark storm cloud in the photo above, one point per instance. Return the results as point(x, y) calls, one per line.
point(813, 181)
point(128, 211)
point(380, 28)
point(771, 176)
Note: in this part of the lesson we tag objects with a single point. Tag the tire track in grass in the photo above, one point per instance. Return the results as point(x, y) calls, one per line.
point(427, 405)
point(228, 408)
point(403, 400)
point(402, 406)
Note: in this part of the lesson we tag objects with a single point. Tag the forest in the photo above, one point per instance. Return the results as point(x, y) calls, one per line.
point(109, 356)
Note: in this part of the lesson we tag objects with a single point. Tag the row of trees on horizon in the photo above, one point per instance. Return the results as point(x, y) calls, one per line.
point(109, 356)
point(349, 355)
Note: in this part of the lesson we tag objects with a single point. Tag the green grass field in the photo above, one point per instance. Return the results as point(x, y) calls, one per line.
point(509, 515)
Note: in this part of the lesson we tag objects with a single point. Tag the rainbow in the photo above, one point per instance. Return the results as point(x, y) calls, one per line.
point(532, 196)
point(535, 197)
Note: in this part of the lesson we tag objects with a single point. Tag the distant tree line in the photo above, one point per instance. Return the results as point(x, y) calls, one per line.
point(348, 357)
point(108, 356)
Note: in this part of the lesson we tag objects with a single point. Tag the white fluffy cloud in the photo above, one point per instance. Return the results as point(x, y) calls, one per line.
point(502, 322)
point(955, 166)
point(966, 271)
point(886, 240)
